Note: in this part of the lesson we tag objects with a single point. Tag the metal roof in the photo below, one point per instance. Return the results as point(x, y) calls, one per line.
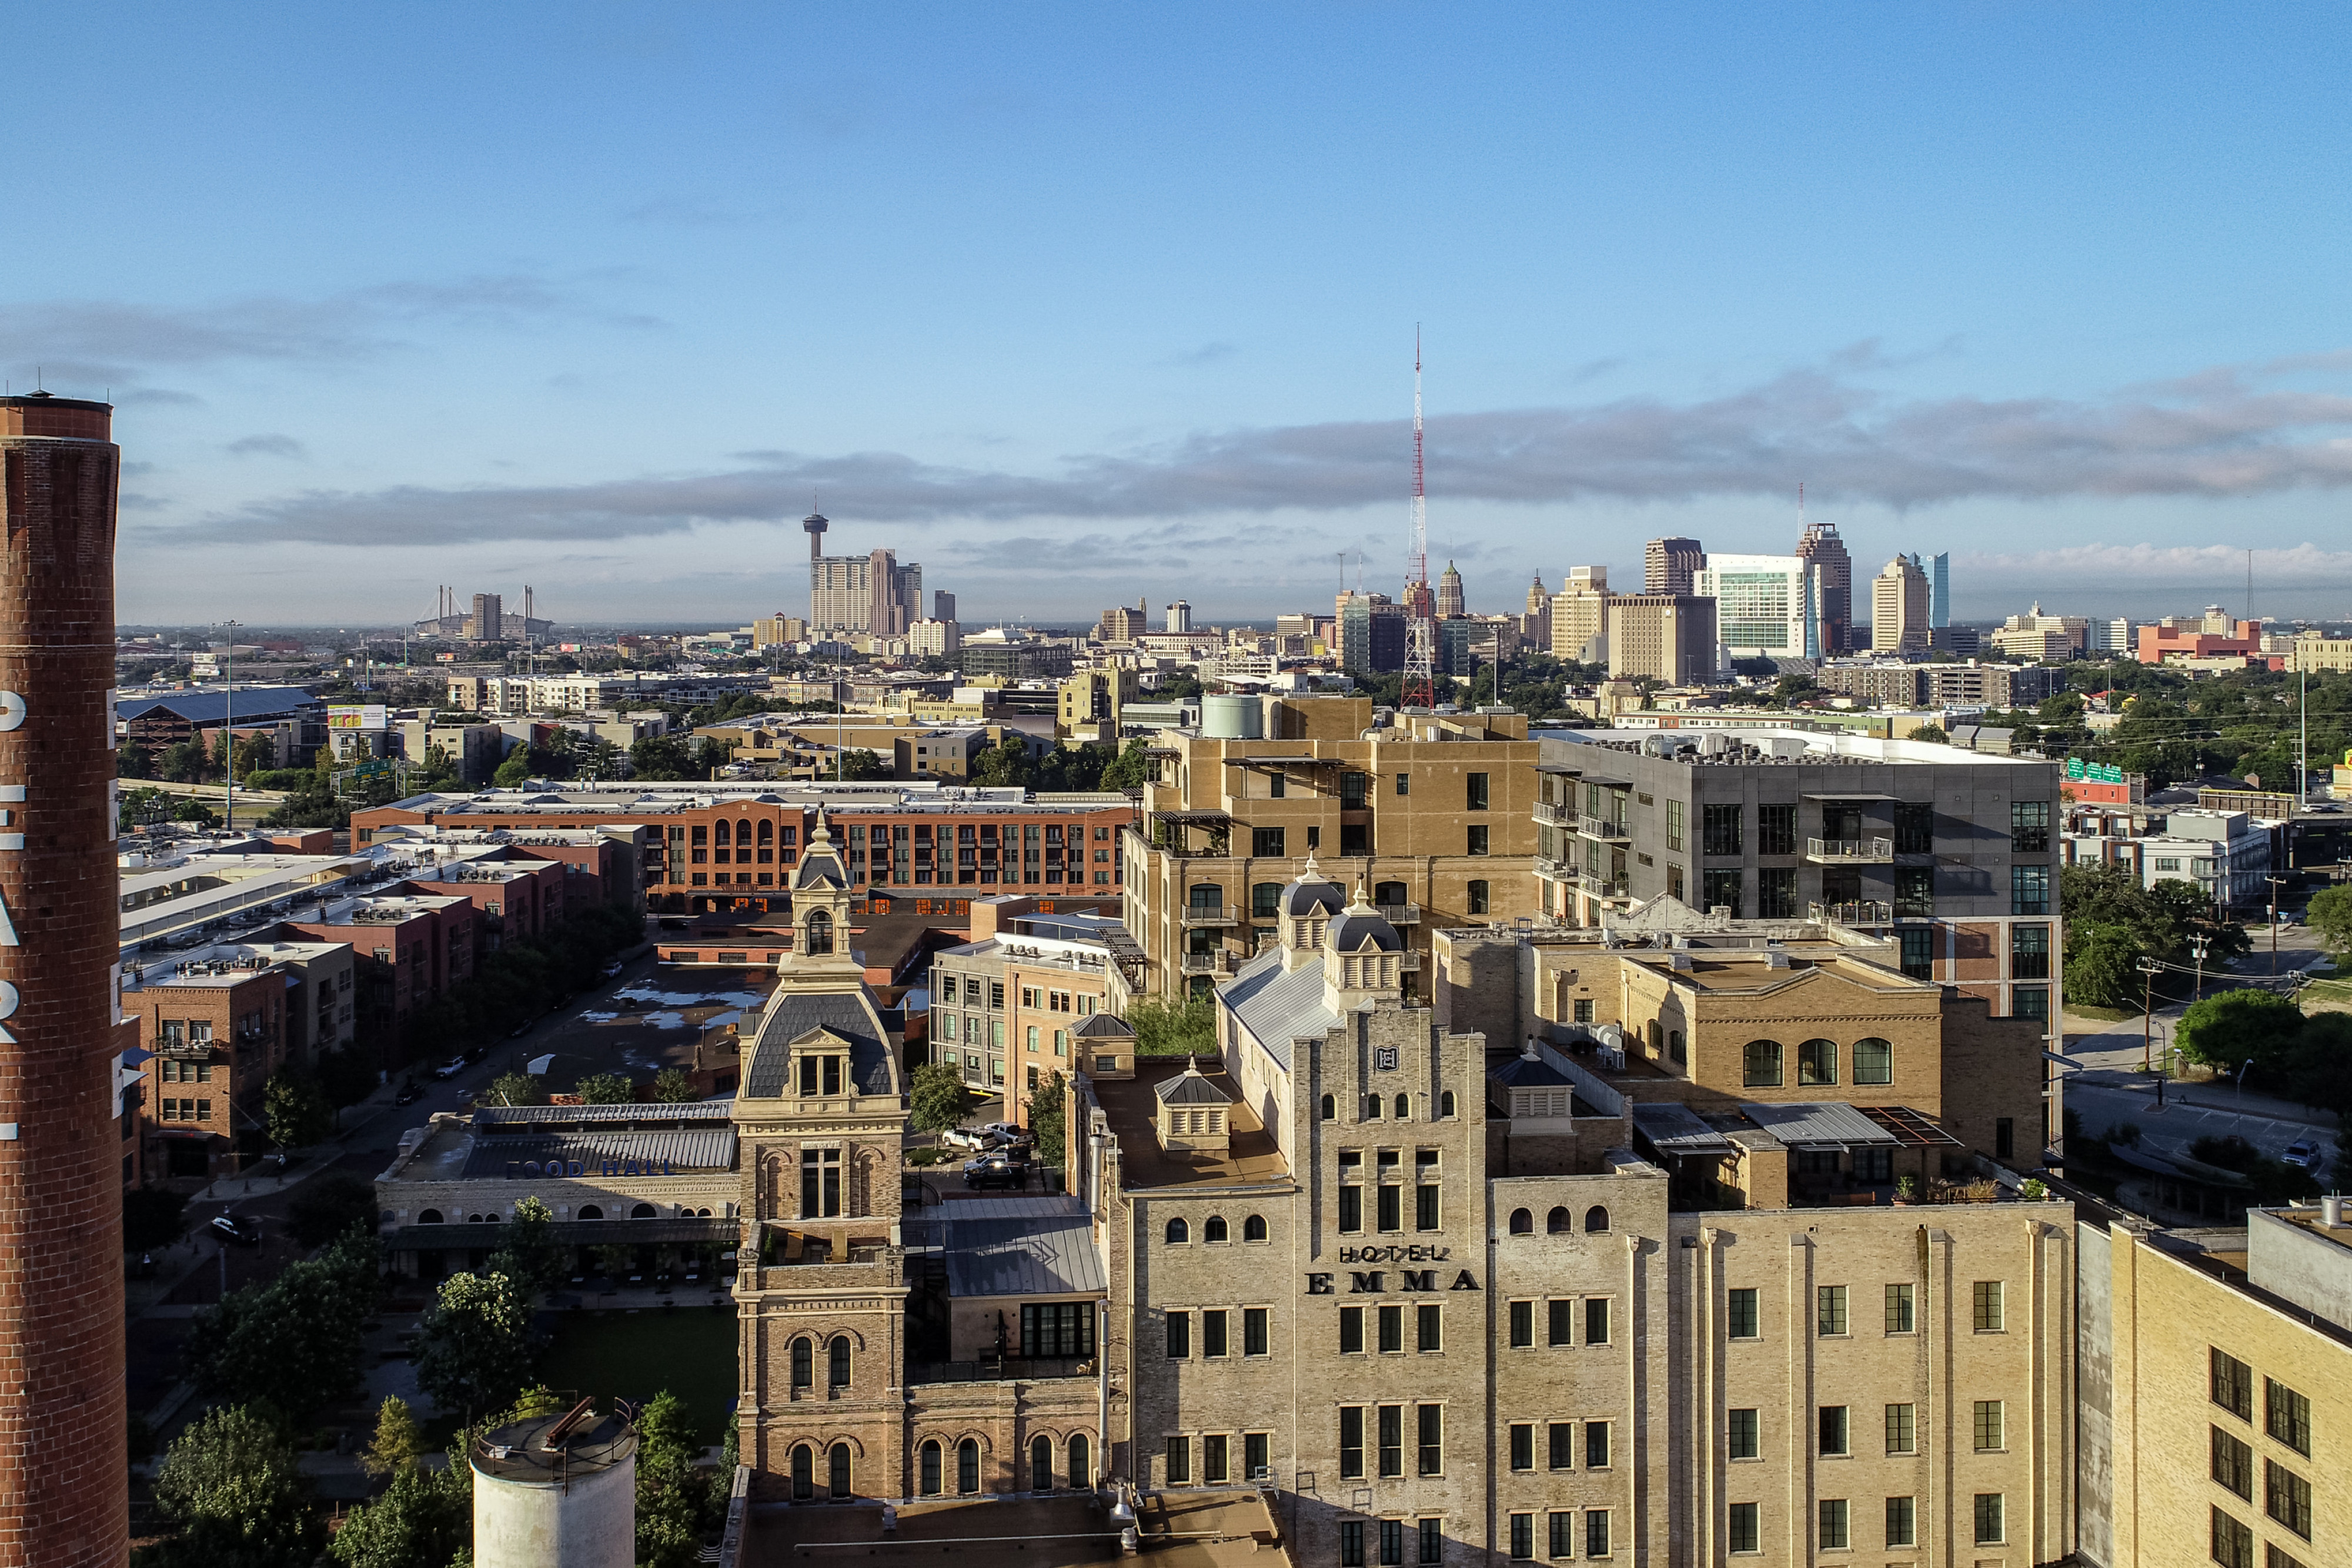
point(1189, 1088)
point(1278, 1006)
point(1024, 1256)
point(565, 1233)
point(1908, 1126)
point(703, 1149)
point(1819, 1124)
point(688, 1111)
point(1674, 1128)
point(253, 703)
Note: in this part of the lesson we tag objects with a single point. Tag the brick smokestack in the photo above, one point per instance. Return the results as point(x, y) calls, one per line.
point(64, 1482)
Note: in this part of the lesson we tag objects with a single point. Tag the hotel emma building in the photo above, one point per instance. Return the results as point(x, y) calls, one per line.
point(1418, 1283)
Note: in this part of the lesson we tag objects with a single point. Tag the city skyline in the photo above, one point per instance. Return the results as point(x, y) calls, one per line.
point(892, 278)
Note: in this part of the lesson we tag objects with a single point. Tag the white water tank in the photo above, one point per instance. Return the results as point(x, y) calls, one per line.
point(1224, 717)
point(557, 1491)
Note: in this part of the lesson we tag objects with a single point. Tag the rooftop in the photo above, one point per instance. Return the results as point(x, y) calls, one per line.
point(1193, 1528)
point(1131, 1106)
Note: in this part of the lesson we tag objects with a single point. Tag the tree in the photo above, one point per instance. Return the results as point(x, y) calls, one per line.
point(2227, 1031)
point(1931, 733)
point(134, 761)
point(514, 770)
point(672, 1498)
point(1177, 1028)
point(424, 1519)
point(2103, 965)
point(530, 1257)
point(604, 1089)
point(1004, 764)
point(189, 809)
point(2329, 913)
point(856, 763)
point(1046, 1113)
point(473, 1344)
point(329, 1205)
point(513, 1089)
point(398, 1440)
point(673, 1086)
point(185, 762)
point(662, 756)
point(295, 1341)
point(231, 1485)
point(297, 1113)
point(936, 1098)
point(1132, 770)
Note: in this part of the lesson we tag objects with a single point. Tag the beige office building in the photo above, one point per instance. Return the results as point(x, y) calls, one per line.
point(1579, 616)
point(1898, 608)
point(1665, 637)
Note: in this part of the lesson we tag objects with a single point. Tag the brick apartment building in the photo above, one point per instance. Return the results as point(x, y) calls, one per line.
point(407, 950)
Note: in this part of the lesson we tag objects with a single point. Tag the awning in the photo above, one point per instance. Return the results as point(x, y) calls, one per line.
point(1673, 1128)
point(538, 1065)
point(1820, 1124)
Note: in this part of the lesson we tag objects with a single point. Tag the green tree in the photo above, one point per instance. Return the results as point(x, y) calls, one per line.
point(190, 809)
point(513, 1089)
point(295, 1341)
point(2329, 914)
point(1186, 1027)
point(604, 1089)
point(297, 1113)
point(673, 1500)
point(1132, 770)
point(1004, 764)
point(231, 1485)
point(399, 1440)
point(144, 808)
point(473, 1345)
point(2103, 965)
point(424, 1519)
point(662, 756)
point(1931, 733)
point(134, 760)
point(529, 1256)
point(514, 770)
point(329, 1205)
point(936, 1098)
point(185, 762)
point(2226, 1031)
point(1046, 1121)
point(673, 1086)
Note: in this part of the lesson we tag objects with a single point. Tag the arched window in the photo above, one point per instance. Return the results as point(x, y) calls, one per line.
point(1079, 1474)
point(1372, 1107)
point(1874, 1061)
point(1522, 1222)
point(1265, 899)
point(1817, 1062)
point(1253, 1227)
point(1214, 1228)
point(718, 834)
point(743, 833)
point(1204, 898)
point(591, 1211)
point(820, 932)
point(1446, 1105)
point(1388, 894)
point(837, 1358)
point(836, 1467)
point(803, 1473)
point(927, 1485)
point(966, 1467)
point(1557, 1223)
point(1596, 1219)
point(1331, 1108)
point(1041, 1464)
point(768, 836)
point(1179, 1232)
point(1760, 1064)
point(804, 1363)
point(643, 1211)
point(1404, 1108)
point(430, 1217)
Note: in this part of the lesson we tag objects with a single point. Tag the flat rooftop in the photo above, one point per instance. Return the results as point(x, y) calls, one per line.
point(1186, 1529)
point(1130, 1104)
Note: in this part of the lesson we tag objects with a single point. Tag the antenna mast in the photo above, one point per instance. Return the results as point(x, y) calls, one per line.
point(1420, 605)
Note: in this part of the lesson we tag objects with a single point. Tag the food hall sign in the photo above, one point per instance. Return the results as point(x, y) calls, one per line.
point(1375, 1281)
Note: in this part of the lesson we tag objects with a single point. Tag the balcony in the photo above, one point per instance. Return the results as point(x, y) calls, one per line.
point(1553, 816)
point(1555, 870)
point(1601, 828)
point(1210, 914)
point(1000, 1369)
point(1866, 913)
point(1400, 913)
point(1204, 964)
point(1850, 852)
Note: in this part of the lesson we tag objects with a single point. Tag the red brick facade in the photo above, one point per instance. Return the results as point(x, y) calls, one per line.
point(64, 1482)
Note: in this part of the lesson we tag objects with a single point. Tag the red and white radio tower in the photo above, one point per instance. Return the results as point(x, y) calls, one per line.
point(1419, 603)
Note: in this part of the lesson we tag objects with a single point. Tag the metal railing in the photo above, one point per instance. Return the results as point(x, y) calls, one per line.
point(1849, 849)
point(1866, 913)
point(1000, 1369)
point(1553, 816)
point(1400, 913)
point(1200, 963)
point(1556, 871)
point(1209, 915)
point(1600, 828)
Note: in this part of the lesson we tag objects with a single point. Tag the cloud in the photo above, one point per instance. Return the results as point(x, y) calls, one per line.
point(2226, 432)
point(92, 340)
point(266, 447)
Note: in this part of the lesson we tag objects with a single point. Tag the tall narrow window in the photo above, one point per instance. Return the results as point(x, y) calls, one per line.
point(1898, 1308)
point(1392, 1438)
point(1902, 1521)
point(1429, 1323)
point(1179, 1458)
point(1740, 1313)
point(1431, 1421)
point(1351, 1442)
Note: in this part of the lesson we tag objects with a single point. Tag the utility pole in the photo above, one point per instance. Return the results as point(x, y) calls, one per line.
point(2201, 942)
point(2149, 969)
point(2276, 883)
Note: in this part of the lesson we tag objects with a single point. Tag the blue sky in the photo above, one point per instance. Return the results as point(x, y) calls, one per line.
point(1075, 305)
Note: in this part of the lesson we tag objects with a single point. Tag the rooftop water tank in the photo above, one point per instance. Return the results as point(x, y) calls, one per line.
point(1224, 717)
point(557, 1491)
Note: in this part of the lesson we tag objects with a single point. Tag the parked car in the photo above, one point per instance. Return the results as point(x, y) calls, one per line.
point(410, 1093)
point(995, 1170)
point(227, 1228)
point(2303, 1154)
point(1001, 1128)
point(451, 1068)
point(613, 968)
point(966, 1138)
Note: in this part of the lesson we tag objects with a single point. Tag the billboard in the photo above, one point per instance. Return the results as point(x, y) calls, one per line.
point(373, 716)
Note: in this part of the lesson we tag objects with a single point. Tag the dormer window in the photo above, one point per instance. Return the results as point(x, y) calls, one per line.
point(817, 933)
point(819, 1075)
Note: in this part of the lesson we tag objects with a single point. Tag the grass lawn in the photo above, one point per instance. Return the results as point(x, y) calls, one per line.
point(690, 1350)
point(2105, 1015)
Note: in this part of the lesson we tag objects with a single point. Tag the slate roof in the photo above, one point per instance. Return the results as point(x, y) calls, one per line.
point(1351, 931)
point(1190, 1089)
point(700, 1149)
point(1104, 1026)
point(1318, 895)
point(1029, 1256)
point(790, 1015)
point(1277, 1007)
point(1520, 1073)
